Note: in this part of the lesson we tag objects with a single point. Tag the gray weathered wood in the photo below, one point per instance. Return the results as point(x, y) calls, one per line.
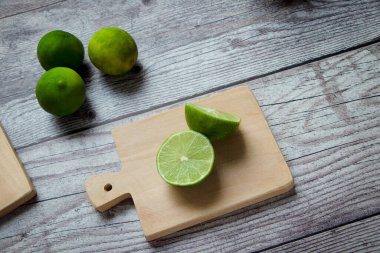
point(186, 48)
point(360, 236)
point(15, 7)
point(325, 117)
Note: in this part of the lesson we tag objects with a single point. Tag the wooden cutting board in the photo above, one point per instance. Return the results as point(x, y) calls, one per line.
point(249, 168)
point(15, 185)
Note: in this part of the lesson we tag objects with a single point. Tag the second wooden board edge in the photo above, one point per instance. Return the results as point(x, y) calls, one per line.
point(24, 198)
point(28, 194)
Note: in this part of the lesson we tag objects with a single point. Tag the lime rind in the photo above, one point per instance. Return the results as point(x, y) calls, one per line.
point(60, 49)
point(214, 124)
point(216, 113)
point(185, 158)
point(113, 51)
point(60, 91)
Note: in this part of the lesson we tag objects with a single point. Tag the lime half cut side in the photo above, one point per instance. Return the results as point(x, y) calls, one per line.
point(185, 158)
point(213, 123)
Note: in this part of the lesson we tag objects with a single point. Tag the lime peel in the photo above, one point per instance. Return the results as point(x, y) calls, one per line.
point(213, 123)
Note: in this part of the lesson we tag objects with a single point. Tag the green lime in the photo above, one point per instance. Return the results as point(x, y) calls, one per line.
point(60, 91)
point(185, 158)
point(60, 49)
point(113, 51)
point(214, 124)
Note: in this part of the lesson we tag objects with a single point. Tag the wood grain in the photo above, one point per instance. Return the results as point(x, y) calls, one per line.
point(15, 7)
point(360, 236)
point(325, 118)
point(186, 49)
point(15, 185)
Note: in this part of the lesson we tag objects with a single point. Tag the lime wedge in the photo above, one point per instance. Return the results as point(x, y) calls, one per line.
point(214, 124)
point(185, 158)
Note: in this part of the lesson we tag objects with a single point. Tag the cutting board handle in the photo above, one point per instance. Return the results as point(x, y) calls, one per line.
point(107, 190)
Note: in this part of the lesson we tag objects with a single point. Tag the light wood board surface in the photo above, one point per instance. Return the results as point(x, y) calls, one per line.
point(15, 185)
point(249, 168)
point(313, 65)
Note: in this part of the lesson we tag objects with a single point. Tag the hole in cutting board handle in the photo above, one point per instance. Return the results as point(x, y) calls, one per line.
point(108, 187)
point(107, 190)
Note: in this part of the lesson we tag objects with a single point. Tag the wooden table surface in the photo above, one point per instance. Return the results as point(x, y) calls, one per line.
point(314, 66)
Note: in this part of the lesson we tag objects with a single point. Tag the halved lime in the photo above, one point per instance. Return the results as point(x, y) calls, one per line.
point(185, 158)
point(214, 124)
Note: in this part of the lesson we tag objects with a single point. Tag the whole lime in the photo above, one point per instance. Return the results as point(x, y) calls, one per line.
point(60, 49)
point(60, 91)
point(113, 51)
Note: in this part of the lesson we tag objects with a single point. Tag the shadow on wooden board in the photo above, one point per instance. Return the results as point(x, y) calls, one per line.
point(226, 152)
point(291, 3)
point(294, 2)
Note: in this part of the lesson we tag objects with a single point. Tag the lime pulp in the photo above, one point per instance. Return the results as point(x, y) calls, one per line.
point(185, 158)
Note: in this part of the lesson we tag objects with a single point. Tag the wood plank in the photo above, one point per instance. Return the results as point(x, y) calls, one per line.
point(185, 49)
point(325, 118)
point(360, 236)
point(10, 8)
